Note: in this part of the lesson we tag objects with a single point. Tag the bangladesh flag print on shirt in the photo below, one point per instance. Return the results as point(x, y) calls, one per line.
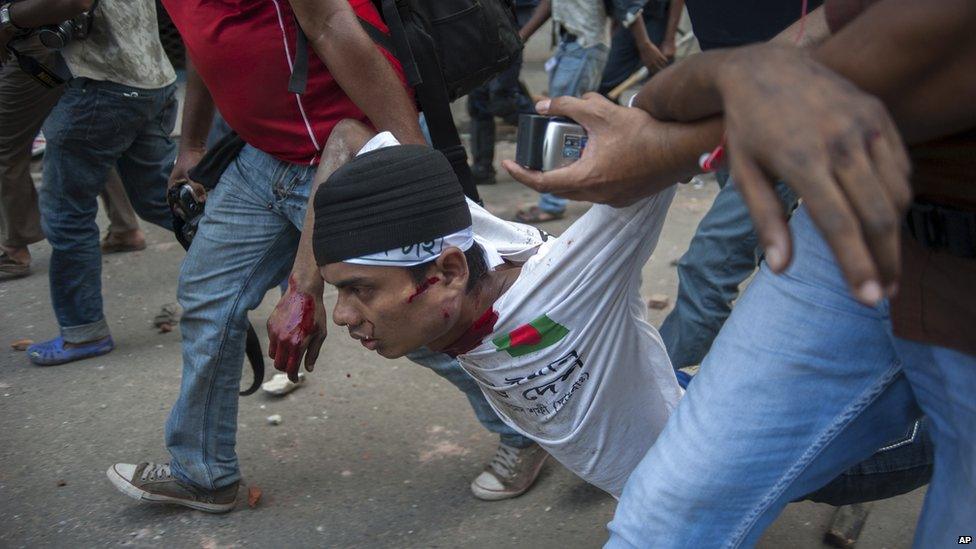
point(529, 338)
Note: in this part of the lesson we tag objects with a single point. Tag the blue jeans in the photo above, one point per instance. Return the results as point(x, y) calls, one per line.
point(802, 383)
point(722, 254)
point(576, 72)
point(449, 369)
point(245, 245)
point(94, 127)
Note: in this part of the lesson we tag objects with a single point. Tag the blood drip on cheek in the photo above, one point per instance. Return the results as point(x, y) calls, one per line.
point(445, 313)
point(423, 287)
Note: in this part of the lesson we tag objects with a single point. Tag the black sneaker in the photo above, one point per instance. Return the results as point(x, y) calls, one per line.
point(155, 483)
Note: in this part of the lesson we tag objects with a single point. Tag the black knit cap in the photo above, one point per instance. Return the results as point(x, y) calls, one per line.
point(385, 199)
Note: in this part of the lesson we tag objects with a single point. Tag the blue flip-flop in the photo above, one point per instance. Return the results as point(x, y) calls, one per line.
point(51, 352)
point(684, 378)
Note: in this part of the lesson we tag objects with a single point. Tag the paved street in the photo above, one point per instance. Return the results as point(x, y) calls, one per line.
point(370, 452)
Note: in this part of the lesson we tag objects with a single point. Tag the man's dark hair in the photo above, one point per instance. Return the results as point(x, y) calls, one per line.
point(477, 267)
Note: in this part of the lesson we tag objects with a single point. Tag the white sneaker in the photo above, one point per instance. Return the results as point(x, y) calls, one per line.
point(281, 385)
point(511, 472)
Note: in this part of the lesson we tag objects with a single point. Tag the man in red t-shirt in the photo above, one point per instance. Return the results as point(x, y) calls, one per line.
point(241, 57)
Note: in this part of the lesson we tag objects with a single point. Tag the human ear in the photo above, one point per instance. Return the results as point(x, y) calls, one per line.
point(453, 267)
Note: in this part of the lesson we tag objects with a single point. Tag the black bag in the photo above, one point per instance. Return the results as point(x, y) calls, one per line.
point(473, 40)
point(446, 48)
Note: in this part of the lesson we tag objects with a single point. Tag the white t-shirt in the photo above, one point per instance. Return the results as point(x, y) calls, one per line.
point(572, 363)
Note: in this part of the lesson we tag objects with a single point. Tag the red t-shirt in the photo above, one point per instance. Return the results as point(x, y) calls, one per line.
point(243, 50)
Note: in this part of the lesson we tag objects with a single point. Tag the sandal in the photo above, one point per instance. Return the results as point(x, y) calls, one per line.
point(10, 268)
point(117, 243)
point(533, 214)
point(52, 352)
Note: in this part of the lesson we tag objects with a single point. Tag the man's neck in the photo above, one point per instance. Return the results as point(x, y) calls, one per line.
point(477, 319)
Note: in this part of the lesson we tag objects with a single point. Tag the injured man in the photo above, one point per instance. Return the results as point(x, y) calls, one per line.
point(552, 329)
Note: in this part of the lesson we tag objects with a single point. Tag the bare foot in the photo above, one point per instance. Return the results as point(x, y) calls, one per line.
point(128, 241)
point(19, 254)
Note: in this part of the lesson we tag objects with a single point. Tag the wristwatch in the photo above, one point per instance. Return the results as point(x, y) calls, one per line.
point(5, 18)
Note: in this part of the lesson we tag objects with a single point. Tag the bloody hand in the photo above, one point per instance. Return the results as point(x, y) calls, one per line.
point(296, 327)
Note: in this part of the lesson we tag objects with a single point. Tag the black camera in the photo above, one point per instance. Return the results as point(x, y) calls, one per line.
point(56, 37)
point(187, 211)
point(546, 143)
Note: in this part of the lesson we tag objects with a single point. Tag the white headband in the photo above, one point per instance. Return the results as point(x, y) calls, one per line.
point(418, 253)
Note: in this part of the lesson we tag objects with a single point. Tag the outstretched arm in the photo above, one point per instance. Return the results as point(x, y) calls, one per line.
point(297, 327)
point(336, 36)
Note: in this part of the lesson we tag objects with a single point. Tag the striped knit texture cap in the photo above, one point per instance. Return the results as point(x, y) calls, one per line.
point(384, 199)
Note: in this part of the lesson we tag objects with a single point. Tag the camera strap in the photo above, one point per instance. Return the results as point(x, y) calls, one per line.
point(49, 77)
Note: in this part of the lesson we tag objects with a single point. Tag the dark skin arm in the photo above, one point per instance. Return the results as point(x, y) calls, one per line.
point(632, 169)
point(933, 48)
point(651, 57)
point(669, 42)
point(854, 177)
point(37, 13)
point(29, 14)
point(365, 75)
point(198, 112)
point(540, 15)
point(292, 330)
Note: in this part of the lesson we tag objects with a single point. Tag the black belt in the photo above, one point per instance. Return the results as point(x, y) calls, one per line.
point(938, 227)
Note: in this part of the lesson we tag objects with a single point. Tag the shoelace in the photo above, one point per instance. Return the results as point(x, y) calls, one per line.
point(505, 460)
point(156, 471)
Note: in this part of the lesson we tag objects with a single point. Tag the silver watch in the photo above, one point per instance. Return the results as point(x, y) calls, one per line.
point(5, 17)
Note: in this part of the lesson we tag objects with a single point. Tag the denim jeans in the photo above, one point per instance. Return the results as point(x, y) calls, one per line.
point(577, 70)
point(94, 127)
point(245, 245)
point(722, 254)
point(802, 383)
point(449, 369)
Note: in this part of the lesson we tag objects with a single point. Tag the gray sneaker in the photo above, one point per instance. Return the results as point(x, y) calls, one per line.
point(155, 483)
point(511, 472)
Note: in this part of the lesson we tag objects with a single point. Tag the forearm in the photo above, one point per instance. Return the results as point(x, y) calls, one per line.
point(364, 74)
point(639, 32)
point(685, 143)
point(675, 10)
point(37, 13)
point(814, 31)
point(347, 138)
point(198, 111)
point(690, 90)
point(539, 17)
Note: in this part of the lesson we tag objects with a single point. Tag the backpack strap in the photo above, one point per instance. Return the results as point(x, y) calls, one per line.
point(391, 11)
point(299, 68)
point(431, 93)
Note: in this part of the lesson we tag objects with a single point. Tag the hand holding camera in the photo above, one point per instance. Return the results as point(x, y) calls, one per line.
point(548, 142)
